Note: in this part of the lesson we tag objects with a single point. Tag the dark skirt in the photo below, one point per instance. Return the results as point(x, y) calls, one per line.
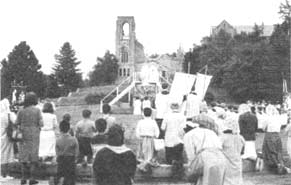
point(272, 149)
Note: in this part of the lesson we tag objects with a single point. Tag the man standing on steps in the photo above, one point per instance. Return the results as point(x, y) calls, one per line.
point(110, 120)
point(162, 107)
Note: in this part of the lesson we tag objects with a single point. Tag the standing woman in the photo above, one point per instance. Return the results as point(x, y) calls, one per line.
point(30, 120)
point(47, 134)
point(7, 152)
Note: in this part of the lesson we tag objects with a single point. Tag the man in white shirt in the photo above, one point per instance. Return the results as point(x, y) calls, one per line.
point(162, 107)
point(173, 124)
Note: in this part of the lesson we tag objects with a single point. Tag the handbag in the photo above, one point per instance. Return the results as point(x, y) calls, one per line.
point(17, 135)
point(159, 144)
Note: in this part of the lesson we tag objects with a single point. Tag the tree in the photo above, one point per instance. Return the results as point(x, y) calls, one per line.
point(105, 71)
point(22, 66)
point(285, 12)
point(52, 88)
point(66, 72)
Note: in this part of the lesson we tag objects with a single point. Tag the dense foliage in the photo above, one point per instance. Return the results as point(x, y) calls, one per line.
point(105, 71)
point(248, 65)
point(66, 72)
point(22, 67)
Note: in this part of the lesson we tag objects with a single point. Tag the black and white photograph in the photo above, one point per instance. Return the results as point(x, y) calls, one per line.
point(148, 92)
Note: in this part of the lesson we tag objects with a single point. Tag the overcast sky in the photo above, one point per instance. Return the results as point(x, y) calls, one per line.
point(89, 25)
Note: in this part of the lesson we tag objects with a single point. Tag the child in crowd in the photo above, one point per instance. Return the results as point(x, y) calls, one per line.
point(110, 120)
point(84, 132)
point(67, 118)
point(66, 150)
point(98, 141)
point(146, 130)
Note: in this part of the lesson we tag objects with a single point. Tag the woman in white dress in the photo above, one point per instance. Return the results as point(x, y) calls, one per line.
point(7, 151)
point(137, 106)
point(47, 133)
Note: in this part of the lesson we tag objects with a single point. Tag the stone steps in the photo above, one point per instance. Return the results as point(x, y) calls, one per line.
point(78, 97)
point(163, 171)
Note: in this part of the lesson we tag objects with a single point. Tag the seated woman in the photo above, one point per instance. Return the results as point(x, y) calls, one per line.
point(115, 164)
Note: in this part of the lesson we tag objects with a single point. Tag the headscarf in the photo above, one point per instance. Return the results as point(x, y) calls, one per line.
point(243, 108)
point(206, 122)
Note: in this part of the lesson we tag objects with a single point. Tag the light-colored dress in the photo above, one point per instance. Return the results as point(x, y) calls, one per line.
point(7, 151)
point(30, 121)
point(232, 145)
point(47, 135)
point(137, 107)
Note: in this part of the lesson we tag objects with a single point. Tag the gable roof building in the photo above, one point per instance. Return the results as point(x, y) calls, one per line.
point(233, 30)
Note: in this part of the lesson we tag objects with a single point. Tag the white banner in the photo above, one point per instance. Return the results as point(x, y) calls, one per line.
point(201, 85)
point(181, 86)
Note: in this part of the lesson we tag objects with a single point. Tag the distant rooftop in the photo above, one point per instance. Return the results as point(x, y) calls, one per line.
point(267, 31)
point(233, 29)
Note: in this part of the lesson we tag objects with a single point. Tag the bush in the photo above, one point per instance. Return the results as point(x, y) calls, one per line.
point(94, 98)
point(209, 97)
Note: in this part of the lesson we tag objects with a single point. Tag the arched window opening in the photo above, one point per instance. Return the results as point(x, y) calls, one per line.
point(125, 31)
point(120, 72)
point(124, 72)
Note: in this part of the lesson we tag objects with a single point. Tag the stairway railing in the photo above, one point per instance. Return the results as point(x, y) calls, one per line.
point(117, 89)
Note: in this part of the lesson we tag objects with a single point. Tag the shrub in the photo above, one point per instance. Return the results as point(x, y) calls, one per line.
point(94, 98)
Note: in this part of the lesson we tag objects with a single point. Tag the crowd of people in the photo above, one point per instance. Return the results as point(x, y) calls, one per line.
point(215, 138)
